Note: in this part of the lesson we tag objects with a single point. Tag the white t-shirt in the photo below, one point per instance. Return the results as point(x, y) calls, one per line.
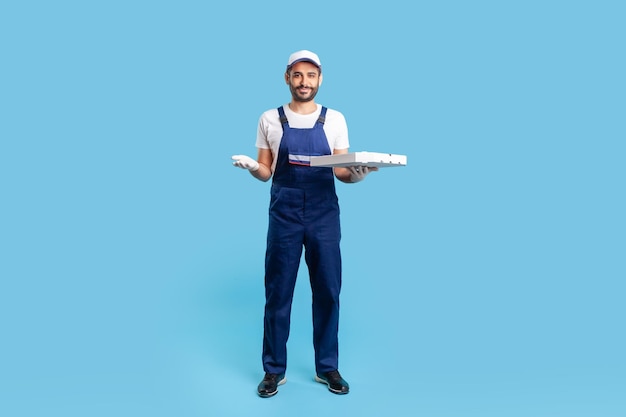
point(270, 130)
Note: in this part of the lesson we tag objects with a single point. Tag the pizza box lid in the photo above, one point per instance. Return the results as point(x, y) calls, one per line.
point(370, 159)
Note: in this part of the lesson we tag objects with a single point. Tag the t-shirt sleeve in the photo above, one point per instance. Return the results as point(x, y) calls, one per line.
point(262, 141)
point(339, 132)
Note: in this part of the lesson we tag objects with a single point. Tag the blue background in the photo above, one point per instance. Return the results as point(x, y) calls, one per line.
point(486, 278)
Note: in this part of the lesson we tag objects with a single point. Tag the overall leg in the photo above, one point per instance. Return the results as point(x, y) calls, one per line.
point(284, 249)
point(323, 258)
point(324, 263)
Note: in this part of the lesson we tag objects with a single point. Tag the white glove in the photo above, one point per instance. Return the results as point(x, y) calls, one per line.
point(245, 162)
point(359, 173)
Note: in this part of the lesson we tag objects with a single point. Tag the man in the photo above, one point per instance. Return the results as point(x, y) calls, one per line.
point(304, 211)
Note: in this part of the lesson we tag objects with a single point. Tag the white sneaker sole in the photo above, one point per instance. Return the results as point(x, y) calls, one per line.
point(318, 379)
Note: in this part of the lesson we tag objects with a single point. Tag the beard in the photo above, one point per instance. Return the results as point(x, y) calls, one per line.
point(297, 97)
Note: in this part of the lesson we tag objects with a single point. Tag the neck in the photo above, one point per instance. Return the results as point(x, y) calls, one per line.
point(300, 107)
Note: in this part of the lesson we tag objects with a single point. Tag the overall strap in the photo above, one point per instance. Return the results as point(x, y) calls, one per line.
point(322, 117)
point(282, 117)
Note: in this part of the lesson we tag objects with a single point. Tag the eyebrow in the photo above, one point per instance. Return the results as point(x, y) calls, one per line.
point(308, 73)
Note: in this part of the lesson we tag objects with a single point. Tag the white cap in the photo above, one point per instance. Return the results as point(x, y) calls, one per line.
point(304, 56)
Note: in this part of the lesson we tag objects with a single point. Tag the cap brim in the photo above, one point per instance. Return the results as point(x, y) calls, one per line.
point(304, 60)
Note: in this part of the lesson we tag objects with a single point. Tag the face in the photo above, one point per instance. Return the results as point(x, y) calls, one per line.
point(304, 80)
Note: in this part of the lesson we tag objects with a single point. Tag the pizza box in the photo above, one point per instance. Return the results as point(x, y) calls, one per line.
point(370, 159)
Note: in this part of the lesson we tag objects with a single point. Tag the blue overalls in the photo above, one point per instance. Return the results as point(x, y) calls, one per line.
point(304, 211)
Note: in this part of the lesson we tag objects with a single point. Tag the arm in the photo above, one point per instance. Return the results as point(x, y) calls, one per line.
point(342, 174)
point(265, 160)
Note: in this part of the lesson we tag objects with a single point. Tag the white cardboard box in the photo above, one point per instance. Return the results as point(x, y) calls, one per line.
point(370, 159)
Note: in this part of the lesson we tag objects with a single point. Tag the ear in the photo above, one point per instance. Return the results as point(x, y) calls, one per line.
point(321, 79)
point(287, 77)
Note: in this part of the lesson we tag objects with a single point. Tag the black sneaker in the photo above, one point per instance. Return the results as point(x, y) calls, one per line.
point(269, 386)
point(336, 384)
